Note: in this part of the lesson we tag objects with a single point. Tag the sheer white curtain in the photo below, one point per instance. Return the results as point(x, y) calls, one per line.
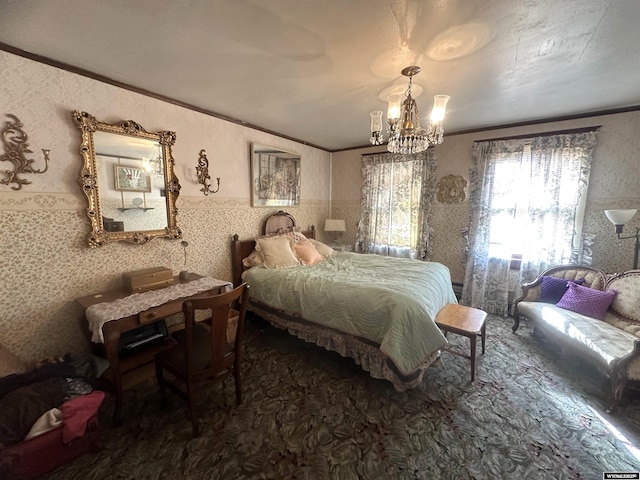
point(527, 200)
point(396, 202)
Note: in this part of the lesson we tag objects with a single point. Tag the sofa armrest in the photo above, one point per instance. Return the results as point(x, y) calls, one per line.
point(627, 301)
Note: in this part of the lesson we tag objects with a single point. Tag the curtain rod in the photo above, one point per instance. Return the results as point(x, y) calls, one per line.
point(594, 128)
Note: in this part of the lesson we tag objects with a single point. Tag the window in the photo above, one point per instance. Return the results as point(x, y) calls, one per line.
point(396, 199)
point(530, 203)
point(527, 202)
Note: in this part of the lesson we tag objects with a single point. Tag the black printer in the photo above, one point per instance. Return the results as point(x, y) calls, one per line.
point(142, 336)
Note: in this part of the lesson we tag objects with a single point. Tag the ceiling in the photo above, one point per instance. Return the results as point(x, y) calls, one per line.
point(312, 70)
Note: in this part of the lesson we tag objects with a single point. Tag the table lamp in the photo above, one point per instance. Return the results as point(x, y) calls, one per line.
point(335, 227)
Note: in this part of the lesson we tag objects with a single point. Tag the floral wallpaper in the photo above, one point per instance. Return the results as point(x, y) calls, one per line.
point(45, 262)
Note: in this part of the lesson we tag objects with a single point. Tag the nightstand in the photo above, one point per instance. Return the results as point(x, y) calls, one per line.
point(342, 247)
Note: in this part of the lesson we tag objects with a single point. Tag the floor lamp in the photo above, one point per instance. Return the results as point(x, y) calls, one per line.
point(619, 218)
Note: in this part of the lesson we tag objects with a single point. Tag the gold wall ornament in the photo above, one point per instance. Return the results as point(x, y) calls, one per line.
point(202, 169)
point(15, 143)
point(450, 189)
point(114, 213)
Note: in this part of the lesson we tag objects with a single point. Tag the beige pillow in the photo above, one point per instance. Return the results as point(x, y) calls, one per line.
point(292, 234)
point(253, 260)
point(307, 253)
point(277, 252)
point(322, 248)
point(295, 236)
point(10, 364)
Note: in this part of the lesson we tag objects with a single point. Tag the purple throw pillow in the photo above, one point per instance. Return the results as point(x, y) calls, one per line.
point(553, 288)
point(587, 301)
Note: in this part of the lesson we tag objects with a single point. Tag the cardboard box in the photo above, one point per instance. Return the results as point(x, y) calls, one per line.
point(147, 279)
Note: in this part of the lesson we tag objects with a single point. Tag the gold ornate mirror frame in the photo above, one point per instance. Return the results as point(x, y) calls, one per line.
point(170, 187)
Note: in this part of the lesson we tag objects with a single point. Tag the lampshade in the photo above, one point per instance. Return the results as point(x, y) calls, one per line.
point(620, 217)
point(376, 120)
point(393, 110)
point(439, 107)
point(334, 225)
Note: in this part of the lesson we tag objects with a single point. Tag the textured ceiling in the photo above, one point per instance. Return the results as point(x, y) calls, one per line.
point(313, 69)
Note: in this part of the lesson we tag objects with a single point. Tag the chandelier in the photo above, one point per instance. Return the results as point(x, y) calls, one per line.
point(406, 135)
point(153, 166)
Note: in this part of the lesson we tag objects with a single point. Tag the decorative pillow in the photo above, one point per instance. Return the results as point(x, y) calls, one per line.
point(295, 236)
point(9, 363)
point(307, 253)
point(277, 252)
point(322, 248)
point(253, 260)
point(553, 288)
point(587, 301)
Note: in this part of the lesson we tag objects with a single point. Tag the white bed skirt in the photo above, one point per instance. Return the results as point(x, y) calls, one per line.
point(365, 353)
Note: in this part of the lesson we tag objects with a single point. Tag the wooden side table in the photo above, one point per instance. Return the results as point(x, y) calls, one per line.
point(112, 330)
point(466, 321)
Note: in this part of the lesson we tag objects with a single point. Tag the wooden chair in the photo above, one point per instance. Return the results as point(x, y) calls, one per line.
point(205, 351)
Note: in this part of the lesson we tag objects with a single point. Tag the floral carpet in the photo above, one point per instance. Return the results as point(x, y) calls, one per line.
point(311, 414)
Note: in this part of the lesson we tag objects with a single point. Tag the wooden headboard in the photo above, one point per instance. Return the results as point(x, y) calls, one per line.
point(241, 249)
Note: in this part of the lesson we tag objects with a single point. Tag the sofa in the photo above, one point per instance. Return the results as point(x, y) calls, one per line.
point(589, 314)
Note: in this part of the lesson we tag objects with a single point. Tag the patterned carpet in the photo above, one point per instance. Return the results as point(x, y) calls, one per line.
point(311, 414)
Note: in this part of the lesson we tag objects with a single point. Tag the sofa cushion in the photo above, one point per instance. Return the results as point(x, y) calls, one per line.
point(553, 288)
point(598, 342)
point(587, 301)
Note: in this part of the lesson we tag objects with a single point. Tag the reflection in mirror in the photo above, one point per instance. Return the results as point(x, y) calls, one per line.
point(275, 177)
point(129, 181)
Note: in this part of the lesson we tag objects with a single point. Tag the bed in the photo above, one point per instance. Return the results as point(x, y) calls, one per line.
point(376, 310)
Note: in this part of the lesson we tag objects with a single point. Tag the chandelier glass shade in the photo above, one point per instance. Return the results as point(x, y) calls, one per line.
point(406, 134)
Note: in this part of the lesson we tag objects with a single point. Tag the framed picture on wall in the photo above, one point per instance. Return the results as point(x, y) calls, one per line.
point(275, 177)
point(131, 179)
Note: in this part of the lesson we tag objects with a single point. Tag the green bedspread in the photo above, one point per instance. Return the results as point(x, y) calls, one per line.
point(390, 301)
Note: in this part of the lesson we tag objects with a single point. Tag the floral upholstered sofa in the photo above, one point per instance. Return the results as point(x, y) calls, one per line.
point(590, 314)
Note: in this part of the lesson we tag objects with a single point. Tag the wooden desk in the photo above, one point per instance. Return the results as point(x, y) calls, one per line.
point(118, 367)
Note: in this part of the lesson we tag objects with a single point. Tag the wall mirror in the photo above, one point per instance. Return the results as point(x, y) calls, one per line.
point(128, 180)
point(275, 177)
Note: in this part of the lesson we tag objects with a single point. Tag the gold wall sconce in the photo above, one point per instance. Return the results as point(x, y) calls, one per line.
point(202, 169)
point(15, 143)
